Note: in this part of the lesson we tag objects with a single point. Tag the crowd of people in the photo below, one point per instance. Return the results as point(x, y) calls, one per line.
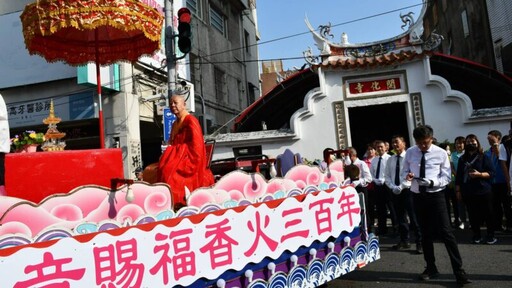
point(426, 191)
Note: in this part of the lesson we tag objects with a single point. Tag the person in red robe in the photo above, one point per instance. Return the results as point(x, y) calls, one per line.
point(184, 163)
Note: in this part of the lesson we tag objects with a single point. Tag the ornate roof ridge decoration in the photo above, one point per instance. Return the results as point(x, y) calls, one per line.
point(373, 61)
point(405, 46)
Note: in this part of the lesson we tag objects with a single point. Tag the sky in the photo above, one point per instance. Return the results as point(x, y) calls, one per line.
point(363, 21)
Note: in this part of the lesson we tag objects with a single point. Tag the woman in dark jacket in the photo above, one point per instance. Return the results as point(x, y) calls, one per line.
point(473, 182)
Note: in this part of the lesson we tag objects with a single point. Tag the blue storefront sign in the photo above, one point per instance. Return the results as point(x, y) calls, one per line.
point(169, 119)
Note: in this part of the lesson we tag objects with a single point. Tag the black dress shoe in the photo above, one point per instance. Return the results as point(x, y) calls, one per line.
point(402, 245)
point(429, 274)
point(462, 277)
point(419, 249)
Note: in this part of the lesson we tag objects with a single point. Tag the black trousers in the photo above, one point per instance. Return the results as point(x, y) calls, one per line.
point(480, 210)
point(501, 205)
point(367, 211)
point(433, 218)
point(452, 202)
point(384, 203)
point(404, 209)
point(370, 205)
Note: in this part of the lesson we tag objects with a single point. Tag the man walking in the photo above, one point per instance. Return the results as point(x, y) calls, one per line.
point(428, 167)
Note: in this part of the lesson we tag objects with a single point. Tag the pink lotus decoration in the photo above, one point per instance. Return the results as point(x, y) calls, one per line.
point(84, 204)
point(280, 184)
point(335, 172)
point(239, 185)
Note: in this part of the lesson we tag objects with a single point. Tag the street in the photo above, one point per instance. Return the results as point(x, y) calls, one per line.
point(486, 265)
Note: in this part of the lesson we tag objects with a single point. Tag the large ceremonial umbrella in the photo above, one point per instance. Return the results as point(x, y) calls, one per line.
point(103, 32)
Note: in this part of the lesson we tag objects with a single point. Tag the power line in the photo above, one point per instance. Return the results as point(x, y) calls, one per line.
point(284, 38)
point(307, 32)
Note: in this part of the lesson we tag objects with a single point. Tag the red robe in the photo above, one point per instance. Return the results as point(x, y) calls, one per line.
point(184, 161)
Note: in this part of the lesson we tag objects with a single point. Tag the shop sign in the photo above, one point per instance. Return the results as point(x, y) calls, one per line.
point(78, 106)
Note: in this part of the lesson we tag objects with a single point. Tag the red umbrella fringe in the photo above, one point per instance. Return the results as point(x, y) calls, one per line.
point(66, 30)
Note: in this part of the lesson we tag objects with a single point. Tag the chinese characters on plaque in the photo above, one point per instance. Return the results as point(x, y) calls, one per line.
point(378, 85)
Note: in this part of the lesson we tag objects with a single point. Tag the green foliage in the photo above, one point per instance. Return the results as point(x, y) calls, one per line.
point(28, 137)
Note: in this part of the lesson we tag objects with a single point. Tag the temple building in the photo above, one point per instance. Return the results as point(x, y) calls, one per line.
point(355, 93)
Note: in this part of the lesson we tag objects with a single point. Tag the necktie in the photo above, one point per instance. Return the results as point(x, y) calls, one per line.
point(423, 189)
point(397, 170)
point(378, 168)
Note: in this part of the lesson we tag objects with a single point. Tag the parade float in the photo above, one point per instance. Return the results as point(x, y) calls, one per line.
point(69, 218)
point(300, 230)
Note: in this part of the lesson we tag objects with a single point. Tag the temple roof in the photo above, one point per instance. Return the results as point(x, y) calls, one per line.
point(373, 61)
point(409, 45)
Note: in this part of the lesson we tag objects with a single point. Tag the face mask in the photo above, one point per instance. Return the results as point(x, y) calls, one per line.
point(471, 147)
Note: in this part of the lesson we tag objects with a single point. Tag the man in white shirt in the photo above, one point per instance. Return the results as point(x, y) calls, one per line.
point(402, 198)
point(382, 194)
point(428, 167)
point(361, 184)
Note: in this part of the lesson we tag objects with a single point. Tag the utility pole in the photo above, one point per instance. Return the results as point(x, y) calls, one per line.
point(184, 45)
point(169, 49)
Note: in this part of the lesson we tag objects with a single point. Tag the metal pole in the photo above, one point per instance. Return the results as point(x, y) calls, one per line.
point(100, 100)
point(169, 49)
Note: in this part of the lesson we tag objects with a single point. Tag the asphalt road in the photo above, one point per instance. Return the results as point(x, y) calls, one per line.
point(486, 265)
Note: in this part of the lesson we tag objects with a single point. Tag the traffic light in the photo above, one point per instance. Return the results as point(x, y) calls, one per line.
point(184, 30)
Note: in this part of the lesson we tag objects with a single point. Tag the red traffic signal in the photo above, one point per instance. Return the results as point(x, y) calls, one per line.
point(184, 15)
point(184, 30)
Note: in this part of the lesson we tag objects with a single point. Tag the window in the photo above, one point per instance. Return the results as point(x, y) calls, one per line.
point(465, 25)
point(252, 96)
point(247, 42)
point(195, 7)
point(220, 83)
point(217, 20)
point(241, 91)
point(498, 47)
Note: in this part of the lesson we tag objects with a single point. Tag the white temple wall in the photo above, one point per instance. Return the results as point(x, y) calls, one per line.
point(314, 126)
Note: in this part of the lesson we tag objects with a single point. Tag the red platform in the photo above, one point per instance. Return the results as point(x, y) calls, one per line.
point(34, 176)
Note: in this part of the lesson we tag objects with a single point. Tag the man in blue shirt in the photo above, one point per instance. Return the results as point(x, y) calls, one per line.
point(501, 199)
